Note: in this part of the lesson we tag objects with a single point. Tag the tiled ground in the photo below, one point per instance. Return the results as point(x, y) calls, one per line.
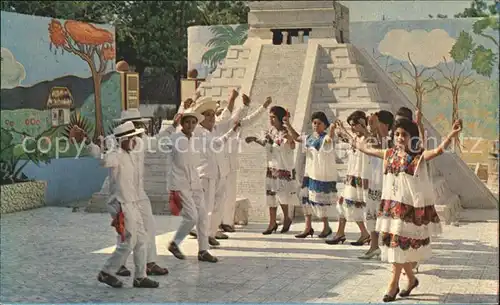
point(53, 255)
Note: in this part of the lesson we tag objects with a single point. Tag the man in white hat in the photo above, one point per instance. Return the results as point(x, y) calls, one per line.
point(186, 182)
point(229, 206)
point(215, 165)
point(124, 204)
point(133, 115)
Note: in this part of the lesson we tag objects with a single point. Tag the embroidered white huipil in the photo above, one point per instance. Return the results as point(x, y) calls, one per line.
point(319, 191)
point(407, 218)
point(352, 203)
point(280, 177)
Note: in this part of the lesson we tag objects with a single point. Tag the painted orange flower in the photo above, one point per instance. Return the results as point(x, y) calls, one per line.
point(56, 33)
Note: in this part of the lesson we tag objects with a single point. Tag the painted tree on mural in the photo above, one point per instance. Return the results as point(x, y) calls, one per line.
point(224, 37)
point(456, 79)
point(94, 46)
point(422, 80)
point(482, 58)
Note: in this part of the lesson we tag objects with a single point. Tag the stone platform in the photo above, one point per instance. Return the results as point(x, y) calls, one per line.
point(52, 255)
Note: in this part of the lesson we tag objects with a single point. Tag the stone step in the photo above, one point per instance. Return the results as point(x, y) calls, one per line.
point(332, 73)
point(321, 100)
point(219, 91)
point(346, 90)
point(229, 72)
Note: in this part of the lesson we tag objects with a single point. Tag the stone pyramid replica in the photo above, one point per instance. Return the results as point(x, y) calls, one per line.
point(298, 52)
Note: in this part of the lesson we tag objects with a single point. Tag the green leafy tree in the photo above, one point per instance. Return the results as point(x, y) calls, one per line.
point(482, 58)
point(478, 8)
point(224, 37)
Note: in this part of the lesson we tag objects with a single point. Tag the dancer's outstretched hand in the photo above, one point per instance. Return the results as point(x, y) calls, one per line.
point(250, 139)
point(457, 127)
point(236, 126)
point(246, 99)
point(188, 103)
point(177, 119)
point(268, 102)
point(234, 94)
point(331, 132)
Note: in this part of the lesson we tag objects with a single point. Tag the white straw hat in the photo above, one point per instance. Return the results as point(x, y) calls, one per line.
point(205, 103)
point(126, 130)
point(133, 115)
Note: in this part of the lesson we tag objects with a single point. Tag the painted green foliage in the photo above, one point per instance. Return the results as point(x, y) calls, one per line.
point(224, 37)
point(14, 157)
point(482, 58)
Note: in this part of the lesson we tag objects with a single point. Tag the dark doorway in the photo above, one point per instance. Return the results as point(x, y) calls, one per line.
point(278, 37)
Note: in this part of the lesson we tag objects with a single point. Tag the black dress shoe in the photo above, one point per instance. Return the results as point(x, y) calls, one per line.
point(145, 283)
point(213, 242)
point(227, 228)
point(123, 271)
point(220, 235)
point(205, 256)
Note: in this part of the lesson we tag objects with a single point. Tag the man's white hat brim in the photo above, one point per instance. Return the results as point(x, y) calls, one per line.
point(137, 131)
point(204, 104)
point(193, 114)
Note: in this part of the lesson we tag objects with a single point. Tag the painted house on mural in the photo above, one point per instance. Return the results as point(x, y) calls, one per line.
point(59, 104)
point(55, 74)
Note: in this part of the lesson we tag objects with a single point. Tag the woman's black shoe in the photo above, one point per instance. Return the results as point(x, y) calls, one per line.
point(323, 235)
point(406, 293)
point(390, 298)
point(336, 240)
point(305, 233)
point(271, 230)
point(286, 226)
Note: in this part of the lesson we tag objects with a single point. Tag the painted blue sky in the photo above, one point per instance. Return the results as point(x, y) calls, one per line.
point(27, 38)
point(402, 9)
point(368, 35)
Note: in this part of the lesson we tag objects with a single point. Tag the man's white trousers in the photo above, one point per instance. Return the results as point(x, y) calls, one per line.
point(148, 219)
point(215, 196)
point(135, 240)
point(193, 213)
point(230, 203)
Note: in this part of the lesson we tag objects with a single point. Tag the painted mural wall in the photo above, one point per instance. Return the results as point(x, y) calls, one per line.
point(55, 74)
point(448, 67)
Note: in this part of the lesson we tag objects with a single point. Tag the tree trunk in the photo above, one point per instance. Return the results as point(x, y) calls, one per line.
point(99, 127)
point(454, 116)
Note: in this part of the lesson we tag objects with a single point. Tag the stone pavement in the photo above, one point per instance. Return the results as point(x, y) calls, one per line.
point(53, 255)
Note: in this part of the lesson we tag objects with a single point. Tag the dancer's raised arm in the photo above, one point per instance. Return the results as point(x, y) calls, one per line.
point(433, 153)
point(291, 131)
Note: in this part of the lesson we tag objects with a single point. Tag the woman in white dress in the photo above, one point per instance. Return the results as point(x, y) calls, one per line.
point(281, 186)
point(351, 205)
point(407, 219)
point(319, 185)
point(380, 123)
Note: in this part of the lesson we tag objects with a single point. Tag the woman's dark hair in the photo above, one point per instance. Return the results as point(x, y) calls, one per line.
point(279, 112)
point(405, 112)
point(320, 116)
point(412, 129)
point(356, 116)
point(386, 118)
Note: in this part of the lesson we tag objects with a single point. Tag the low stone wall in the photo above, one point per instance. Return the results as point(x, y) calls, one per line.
point(22, 196)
